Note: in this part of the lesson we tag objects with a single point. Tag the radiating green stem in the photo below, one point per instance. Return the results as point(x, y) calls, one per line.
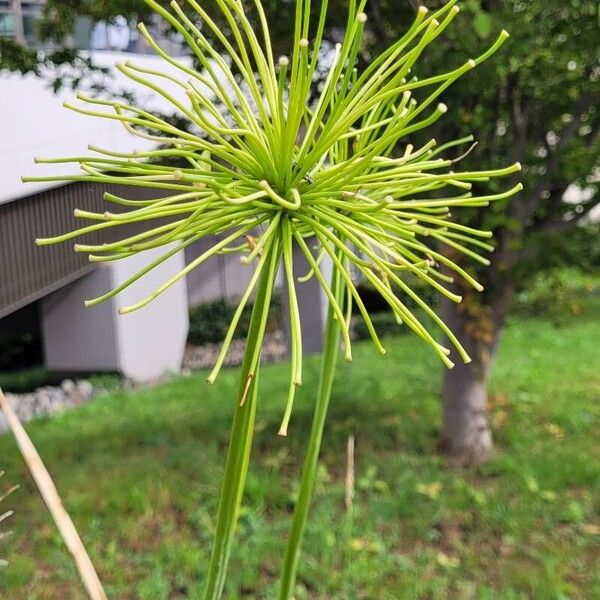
point(240, 445)
point(331, 343)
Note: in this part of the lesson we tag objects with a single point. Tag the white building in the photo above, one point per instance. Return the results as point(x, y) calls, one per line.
point(49, 284)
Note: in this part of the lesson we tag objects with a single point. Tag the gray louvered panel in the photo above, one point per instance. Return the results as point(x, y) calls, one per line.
point(28, 272)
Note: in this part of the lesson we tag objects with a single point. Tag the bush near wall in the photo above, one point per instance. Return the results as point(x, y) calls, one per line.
point(20, 351)
point(555, 293)
point(209, 322)
point(558, 293)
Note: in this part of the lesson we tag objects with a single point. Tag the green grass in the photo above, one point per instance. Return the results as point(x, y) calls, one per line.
point(140, 474)
point(25, 380)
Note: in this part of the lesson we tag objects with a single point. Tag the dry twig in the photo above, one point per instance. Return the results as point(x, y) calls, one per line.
point(63, 521)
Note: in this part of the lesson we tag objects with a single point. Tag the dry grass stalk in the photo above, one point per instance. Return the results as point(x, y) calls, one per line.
point(350, 477)
point(63, 521)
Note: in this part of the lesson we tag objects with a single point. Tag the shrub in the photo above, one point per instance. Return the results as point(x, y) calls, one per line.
point(557, 293)
point(210, 321)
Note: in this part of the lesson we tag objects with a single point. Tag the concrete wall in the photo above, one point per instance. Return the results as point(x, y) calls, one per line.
point(222, 276)
point(142, 345)
point(34, 122)
point(312, 304)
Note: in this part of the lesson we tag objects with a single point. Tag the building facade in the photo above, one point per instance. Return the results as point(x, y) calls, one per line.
point(45, 287)
point(50, 284)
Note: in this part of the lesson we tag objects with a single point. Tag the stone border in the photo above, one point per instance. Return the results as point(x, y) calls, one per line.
point(51, 400)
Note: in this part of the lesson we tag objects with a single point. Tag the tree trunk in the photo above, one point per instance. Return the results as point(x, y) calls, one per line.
point(466, 433)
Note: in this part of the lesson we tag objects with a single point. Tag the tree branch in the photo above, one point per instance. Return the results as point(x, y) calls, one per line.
point(583, 106)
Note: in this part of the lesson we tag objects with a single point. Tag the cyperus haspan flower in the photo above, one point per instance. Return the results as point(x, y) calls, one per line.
point(268, 170)
point(335, 172)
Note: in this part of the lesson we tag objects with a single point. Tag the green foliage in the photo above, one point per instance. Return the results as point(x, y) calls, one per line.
point(62, 66)
point(210, 321)
point(525, 525)
point(536, 103)
point(20, 350)
point(21, 359)
point(385, 323)
point(342, 182)
point(578, 248)
point(291, 161)
point(557, 293)
point(5, 515)
point(56, 29)
point(24, 380)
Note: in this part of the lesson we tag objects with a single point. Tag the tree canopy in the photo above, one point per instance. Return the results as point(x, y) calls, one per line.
point(536, 101)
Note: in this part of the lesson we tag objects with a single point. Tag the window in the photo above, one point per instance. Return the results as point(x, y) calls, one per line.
point(18, 20)
point(30, 16)
point(7, 24)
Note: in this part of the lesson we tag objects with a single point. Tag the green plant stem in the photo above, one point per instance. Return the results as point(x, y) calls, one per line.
point(331, 343)
point(242, 432)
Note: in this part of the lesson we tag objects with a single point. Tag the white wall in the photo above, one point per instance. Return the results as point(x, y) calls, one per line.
point(33, 122)
point(142, 345)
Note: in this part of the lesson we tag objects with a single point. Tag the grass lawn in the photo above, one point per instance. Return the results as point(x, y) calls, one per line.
point(140, 474)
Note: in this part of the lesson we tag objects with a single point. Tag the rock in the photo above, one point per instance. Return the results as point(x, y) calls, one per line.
point(204, 357)
point(85, 389)
point(42, 402)
point(68, 386)
point(48, 401)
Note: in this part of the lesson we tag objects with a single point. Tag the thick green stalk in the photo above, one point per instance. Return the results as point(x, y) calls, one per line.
point(242, 431)
point(331, 343)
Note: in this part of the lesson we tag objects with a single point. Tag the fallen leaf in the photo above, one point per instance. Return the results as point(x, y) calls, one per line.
point(431, 490)
point(554, 430)
point(362, 544)
point(532, 484)
point(590, 529)
point(450, 562)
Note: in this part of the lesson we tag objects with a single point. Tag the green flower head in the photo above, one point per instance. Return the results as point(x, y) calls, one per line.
point(268, 169)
